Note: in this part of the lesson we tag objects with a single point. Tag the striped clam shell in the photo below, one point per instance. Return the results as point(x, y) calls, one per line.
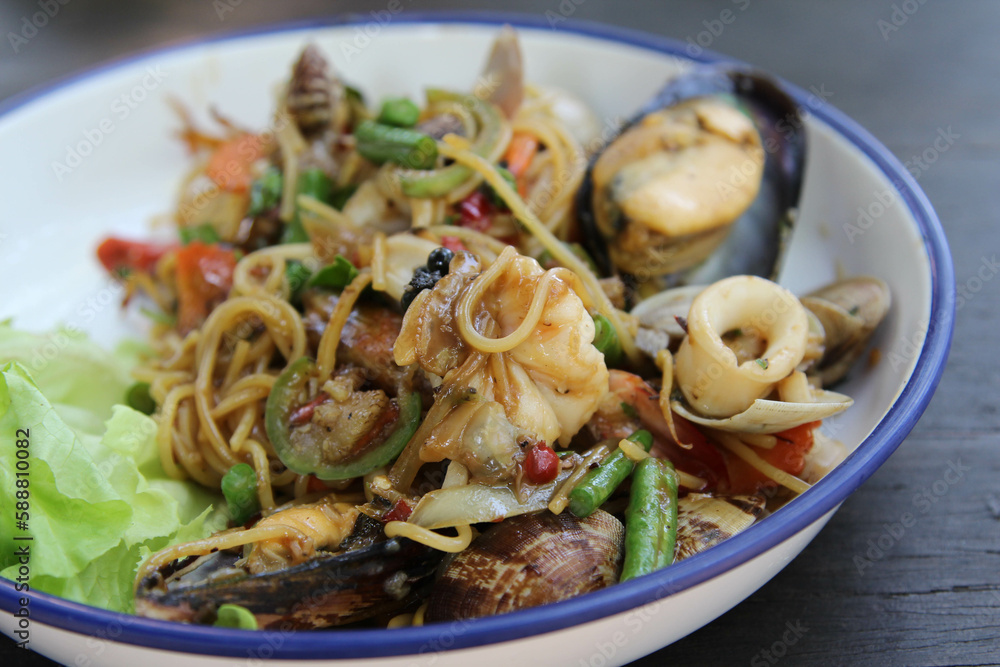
point(704, 521)
point(526, 561)
point(312, 94)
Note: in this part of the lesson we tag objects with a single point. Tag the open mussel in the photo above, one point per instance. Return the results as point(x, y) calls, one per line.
point(368, 576)
point(526, 561)
point(710, 169)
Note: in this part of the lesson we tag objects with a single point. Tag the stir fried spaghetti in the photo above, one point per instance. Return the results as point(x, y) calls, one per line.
point(389, 333)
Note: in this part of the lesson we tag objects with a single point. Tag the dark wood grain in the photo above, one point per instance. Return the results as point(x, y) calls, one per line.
point(932, 597)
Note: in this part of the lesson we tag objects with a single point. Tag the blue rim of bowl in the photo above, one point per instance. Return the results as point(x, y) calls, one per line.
point(818, 501)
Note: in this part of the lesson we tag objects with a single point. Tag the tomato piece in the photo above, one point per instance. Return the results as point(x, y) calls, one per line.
point(401, 511)
point(793, 445)
point(788, 455)
point(316, 485)
point(204, 276)
point(116, 254)
point(230, 164)
point(453, 243)
point(541, 465)
point(702, 459)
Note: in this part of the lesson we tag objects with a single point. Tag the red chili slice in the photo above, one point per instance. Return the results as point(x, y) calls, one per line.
point(401, 511)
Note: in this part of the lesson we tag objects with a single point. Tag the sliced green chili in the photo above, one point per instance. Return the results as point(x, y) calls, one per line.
point(307, 457)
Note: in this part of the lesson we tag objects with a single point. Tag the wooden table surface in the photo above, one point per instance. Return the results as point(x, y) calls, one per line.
point(906, 70)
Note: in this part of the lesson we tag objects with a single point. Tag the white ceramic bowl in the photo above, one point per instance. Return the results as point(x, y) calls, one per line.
point(95, 155)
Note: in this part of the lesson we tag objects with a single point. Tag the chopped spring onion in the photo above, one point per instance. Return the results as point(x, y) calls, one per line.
point(335, 276)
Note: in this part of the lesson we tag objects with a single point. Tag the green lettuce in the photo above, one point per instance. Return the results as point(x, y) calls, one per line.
point(99, 498)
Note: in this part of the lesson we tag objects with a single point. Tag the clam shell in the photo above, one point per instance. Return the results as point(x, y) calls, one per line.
point(526, 561)
point(850, 311)
point(704, 521)
point(767, 416)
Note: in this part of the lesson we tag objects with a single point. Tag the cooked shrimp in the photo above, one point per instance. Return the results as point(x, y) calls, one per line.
point(531, 333)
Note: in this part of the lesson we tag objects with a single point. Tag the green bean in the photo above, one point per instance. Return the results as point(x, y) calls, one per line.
point(239, 486)
point(385, 143)
point(400, 112)
point(597, 485)
point(650, 519)
point(137, 397)
point(670, 516)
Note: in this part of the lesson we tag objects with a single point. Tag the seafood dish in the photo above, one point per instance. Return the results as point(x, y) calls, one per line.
point(456, 357)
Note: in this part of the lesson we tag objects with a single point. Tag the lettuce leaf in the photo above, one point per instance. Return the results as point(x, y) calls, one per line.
point(99, 498)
